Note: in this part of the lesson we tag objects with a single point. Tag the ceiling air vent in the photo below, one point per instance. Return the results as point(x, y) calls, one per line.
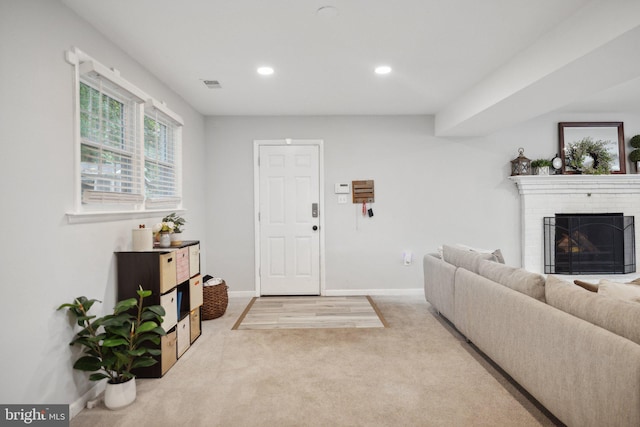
point(212, 84)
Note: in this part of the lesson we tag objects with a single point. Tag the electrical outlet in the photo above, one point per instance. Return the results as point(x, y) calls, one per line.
point(407, 257)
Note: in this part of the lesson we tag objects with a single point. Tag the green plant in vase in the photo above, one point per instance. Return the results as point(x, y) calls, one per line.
point(178, 221)
point(116, 344)
point(178, 224)
point(541, 166)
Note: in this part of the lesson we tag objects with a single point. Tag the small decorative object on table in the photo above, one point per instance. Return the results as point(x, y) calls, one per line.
point(520, 165)
point(178, 222)
point(142, 239)
point(163, 231)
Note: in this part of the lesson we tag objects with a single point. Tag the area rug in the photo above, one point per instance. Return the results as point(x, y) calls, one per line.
point(310, 312)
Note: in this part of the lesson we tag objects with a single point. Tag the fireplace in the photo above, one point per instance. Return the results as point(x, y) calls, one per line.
point(589, 243)
point(544, 196)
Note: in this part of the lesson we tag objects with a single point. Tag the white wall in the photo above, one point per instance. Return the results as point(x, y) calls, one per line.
point(44, 260)
point(429, 191)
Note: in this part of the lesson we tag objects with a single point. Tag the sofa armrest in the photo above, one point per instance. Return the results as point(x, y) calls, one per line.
point(438, 285)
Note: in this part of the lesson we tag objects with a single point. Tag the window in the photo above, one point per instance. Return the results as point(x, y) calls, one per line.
point(129, 145)
point(161, 157)
point(108, 146)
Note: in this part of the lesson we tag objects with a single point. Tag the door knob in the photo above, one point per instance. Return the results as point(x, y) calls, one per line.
point(315, 227)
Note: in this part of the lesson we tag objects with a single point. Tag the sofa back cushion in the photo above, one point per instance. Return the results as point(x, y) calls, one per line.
point(469, 260)
point(620, 317)
point(621, 291)
point(518, 279)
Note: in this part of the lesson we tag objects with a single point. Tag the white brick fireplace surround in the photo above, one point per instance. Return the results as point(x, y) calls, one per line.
point(545, 196)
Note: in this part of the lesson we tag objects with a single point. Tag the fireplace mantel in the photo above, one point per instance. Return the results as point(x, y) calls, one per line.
point(569, 184)
point(546, 195)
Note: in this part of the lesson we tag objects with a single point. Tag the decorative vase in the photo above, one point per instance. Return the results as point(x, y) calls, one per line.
point(176, 239)
point(165, 240)
point(117, 396)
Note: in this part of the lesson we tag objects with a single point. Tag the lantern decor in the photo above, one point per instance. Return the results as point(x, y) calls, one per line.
point(520, 165)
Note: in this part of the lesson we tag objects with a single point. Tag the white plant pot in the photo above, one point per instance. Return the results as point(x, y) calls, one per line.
point(543, 170)
point(176, 239)
point(117, 396)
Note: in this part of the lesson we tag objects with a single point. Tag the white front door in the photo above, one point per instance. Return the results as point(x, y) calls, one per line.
point(289, 220)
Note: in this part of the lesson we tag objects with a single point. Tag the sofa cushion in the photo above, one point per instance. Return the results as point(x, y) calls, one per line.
point(622, 291)
point(620, 317)
point(518, 279)
point(464, 258)
point(497, 253)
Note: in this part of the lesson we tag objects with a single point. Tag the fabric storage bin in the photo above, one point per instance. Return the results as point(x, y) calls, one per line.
point(182, 265)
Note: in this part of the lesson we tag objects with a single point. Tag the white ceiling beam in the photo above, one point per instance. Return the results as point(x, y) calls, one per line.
point(595, 49)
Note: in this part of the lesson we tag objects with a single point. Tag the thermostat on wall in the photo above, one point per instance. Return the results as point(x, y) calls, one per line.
point(343, 189)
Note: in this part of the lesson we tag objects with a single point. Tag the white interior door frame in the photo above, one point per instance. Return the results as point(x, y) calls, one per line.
point(256, 202)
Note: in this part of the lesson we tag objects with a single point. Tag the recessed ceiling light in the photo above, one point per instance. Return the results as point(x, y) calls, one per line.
point(383, 69)
point(265, 71)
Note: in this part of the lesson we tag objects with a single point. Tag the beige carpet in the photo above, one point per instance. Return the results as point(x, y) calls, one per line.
point(310, 312)
point(416, 372)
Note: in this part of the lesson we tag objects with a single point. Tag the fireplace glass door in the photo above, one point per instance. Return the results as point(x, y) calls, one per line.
point(589, 244)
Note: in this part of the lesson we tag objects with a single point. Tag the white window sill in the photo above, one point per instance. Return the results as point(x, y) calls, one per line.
point(91, 217)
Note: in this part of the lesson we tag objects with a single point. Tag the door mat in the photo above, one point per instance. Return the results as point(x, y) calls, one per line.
point(305, 312)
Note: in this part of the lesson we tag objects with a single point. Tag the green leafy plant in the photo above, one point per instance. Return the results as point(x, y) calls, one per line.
point(115, 344)
point(634, 156)
point(177, 221)
point(539, 163)
point(596, 150)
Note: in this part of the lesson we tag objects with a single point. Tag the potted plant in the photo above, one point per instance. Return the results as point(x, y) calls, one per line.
point(634, 156)
point(541, 166)
point(163, 231)
point(178, 223)
point(116, 344)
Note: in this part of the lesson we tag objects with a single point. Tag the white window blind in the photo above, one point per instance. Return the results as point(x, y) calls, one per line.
point(162, 143)
point(110, 149)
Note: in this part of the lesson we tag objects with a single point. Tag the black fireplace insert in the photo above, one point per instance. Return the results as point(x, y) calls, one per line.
point(602, 243)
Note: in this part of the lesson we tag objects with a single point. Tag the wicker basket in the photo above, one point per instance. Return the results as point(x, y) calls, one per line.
point(215, 301)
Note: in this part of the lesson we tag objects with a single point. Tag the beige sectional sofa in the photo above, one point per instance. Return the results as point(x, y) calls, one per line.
point(576, 352)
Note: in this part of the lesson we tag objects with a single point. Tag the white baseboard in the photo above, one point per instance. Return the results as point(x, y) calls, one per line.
point(346, 292)
point(242, 294)
point(93, 393)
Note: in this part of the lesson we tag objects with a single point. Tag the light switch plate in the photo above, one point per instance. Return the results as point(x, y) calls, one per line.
point(342, 199)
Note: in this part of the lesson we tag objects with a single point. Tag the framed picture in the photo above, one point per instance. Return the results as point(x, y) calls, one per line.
point(612, 133)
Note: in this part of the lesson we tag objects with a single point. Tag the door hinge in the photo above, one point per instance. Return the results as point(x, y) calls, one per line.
point(258, 216)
